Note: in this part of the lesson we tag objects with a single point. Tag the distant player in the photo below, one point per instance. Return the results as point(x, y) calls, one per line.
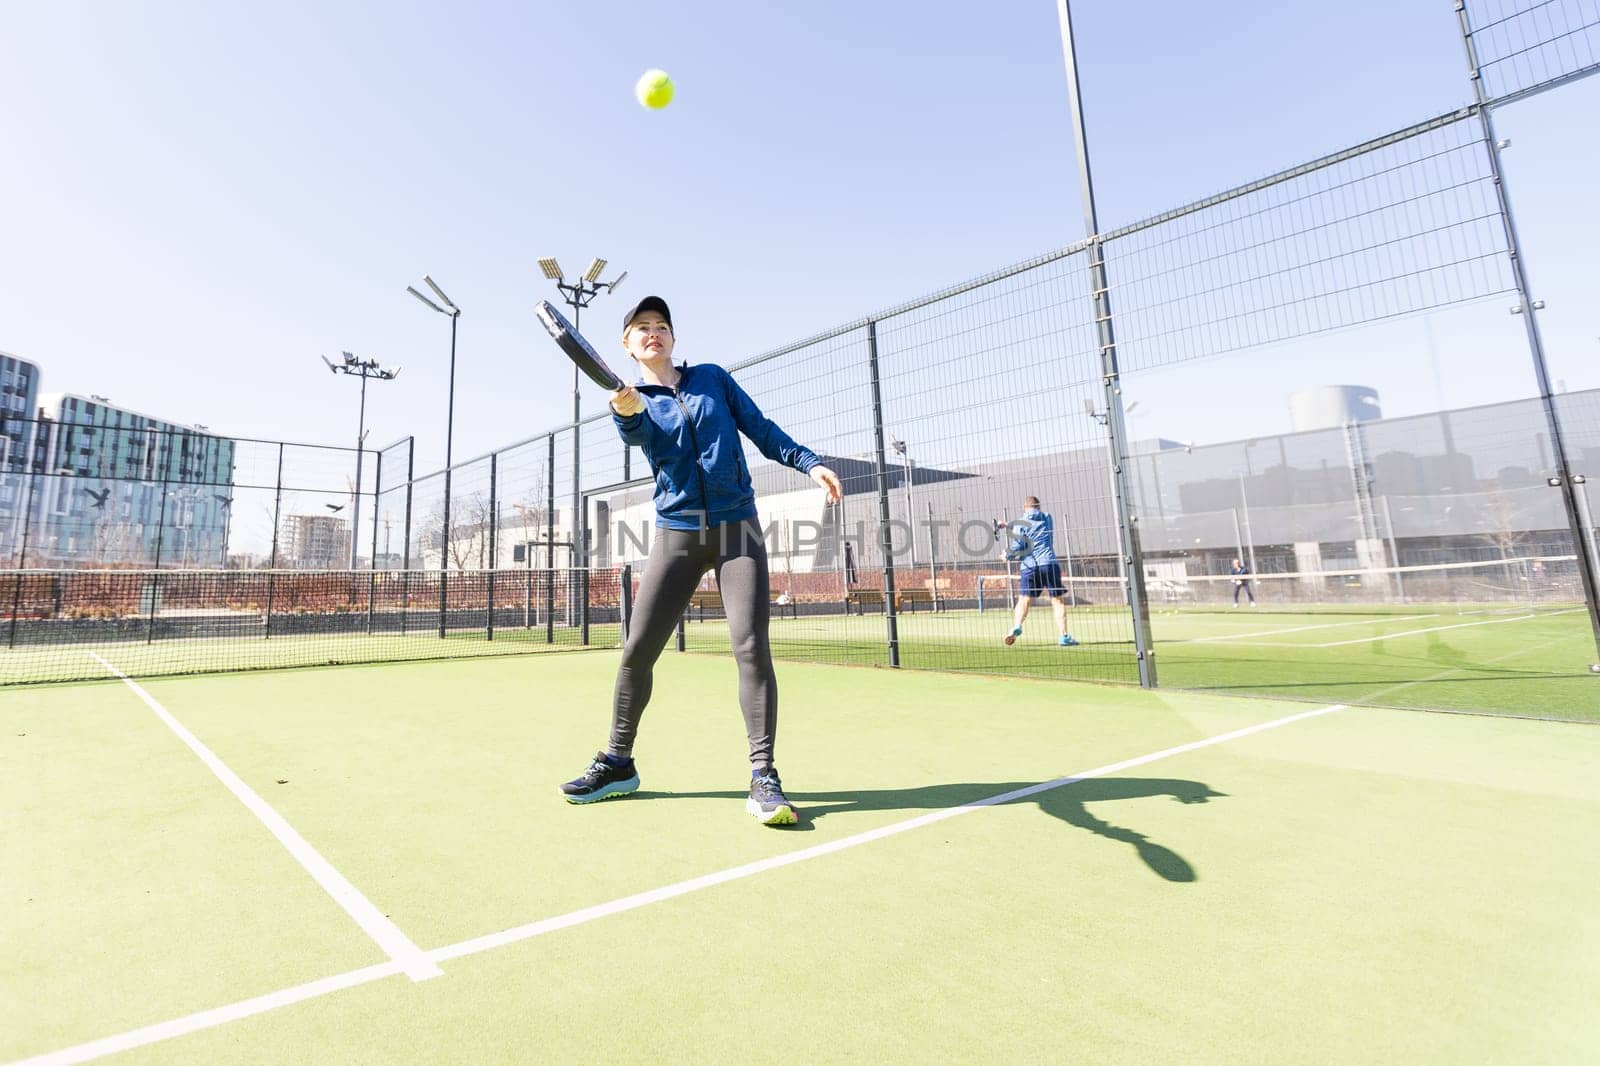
point(1241, 582)
point(1033, 542)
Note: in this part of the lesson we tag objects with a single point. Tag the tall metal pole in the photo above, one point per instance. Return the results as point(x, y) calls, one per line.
point(272, 563)
point(377, 483)
point(27, 521)
point(355, 492)
point(911, 508)
point(578, 295)
point(494, 523)
point(22, 555)
point(444, 306)
point(1249, 535)
point(277, 508)
point(372, 568)
point(405, 534)
point(1585, 515)
point(227, 530)
point(155, 578)
point(550, 543)
point(449, 445)
point(364, 369)
point(1588, 566)
point(1394, 550)
point(886, 535)
point(1128, 534)
point(578, 550)
point(161, 519)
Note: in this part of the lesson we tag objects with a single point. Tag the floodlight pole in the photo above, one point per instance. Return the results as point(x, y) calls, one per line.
point(578, 295)
point(1128, 535)
point(364, 369)
point(454, 312)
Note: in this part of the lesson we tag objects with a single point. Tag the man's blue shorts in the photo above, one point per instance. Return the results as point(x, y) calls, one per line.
point(1042, 581)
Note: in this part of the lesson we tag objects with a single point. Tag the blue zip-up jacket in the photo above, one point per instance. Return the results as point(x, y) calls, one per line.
point(690, 437)
point(1033, 540)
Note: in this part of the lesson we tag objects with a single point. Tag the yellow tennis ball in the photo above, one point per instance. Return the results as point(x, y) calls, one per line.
point(654, 89)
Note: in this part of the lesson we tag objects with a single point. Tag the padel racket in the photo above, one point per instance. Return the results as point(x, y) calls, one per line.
point(578, 350)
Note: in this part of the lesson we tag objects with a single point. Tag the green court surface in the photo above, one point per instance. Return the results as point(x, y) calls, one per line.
point(1231, 880)
point(1504, 659)
point(1450, 657)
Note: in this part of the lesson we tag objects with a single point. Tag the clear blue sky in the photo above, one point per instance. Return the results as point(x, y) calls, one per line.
point(200, 199)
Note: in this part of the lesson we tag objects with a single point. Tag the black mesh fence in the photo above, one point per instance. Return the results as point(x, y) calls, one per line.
point(943, 417)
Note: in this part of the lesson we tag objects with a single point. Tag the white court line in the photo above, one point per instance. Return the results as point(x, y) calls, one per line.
point(1438, 629)
point(407, 957)
point(628, 903)
point(1302, 629)
point(207, 1019)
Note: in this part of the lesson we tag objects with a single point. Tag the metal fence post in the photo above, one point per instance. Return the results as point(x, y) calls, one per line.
point(583, 605)
point(161, 522)
point(372, 567)
point(22, 556)
point(550, 545)
point(444, 557)
point(1116, 429)
point(161, 512)
point(405, 540)
point(272, 563)
point(494, 522)
point(1526, 306)
point(885, 534)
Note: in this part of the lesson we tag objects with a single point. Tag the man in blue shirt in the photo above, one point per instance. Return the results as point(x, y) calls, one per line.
point(1241, 582)
point(1033, 541)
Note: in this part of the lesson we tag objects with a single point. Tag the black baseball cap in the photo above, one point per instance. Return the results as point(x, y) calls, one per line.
point(649, 303)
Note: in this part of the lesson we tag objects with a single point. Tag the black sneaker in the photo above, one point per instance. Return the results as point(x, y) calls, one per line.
point(767, 801)
point(601, 781)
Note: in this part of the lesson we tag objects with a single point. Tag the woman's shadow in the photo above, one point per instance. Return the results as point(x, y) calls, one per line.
point(1069, 803)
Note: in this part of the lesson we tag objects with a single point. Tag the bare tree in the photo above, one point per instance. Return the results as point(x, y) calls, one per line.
point(1507, 533)
point(470, 536)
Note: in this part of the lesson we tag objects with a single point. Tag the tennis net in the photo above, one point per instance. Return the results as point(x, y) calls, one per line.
point(58, 625)
point(1545, 579)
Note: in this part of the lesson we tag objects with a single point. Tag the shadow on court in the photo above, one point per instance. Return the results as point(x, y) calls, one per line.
point(1068, 803)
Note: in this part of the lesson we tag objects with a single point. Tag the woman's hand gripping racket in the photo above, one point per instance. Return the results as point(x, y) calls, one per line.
point(580, 351)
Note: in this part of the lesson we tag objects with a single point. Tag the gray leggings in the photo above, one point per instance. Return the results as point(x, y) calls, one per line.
point(678, 560)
